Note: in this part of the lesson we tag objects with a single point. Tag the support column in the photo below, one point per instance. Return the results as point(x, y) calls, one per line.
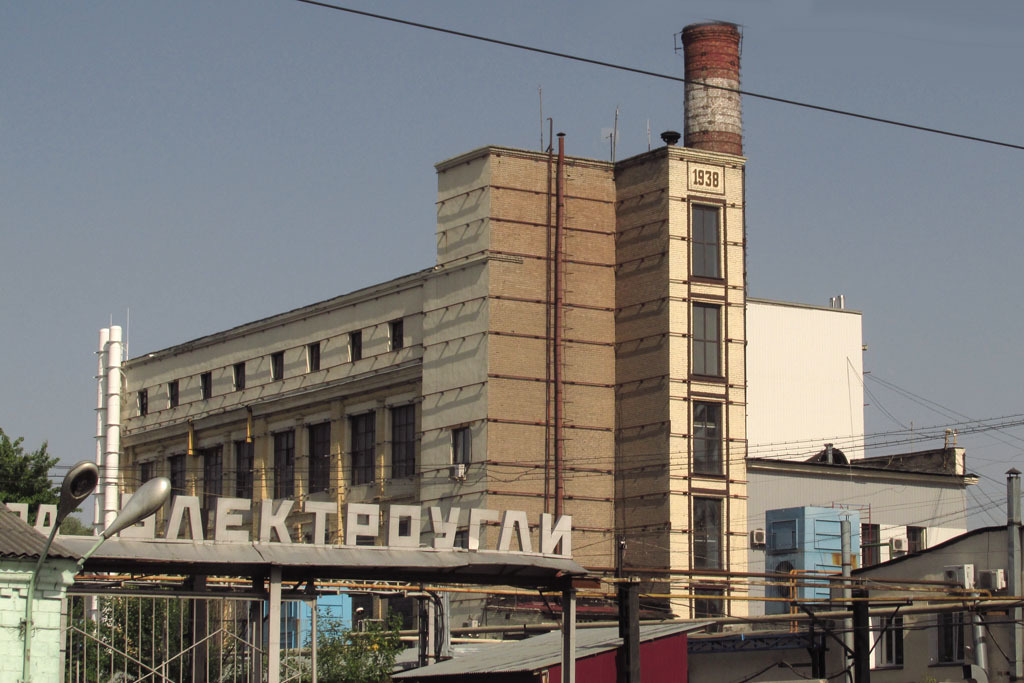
point(1015, 580)
point(569, 635)
point(274, 628)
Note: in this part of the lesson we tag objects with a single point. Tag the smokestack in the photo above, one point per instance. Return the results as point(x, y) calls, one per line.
point(713, 116)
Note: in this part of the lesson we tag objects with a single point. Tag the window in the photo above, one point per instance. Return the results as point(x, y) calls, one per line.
point(915, 539)
point(707, 438)
point(238, 374)
point(707, 533)
point(869, 535)
point(363, 429)
point(213, 479)
point(319, 457)
point(243, 469)
point(206, 385)
point(710, 603)
point(462, 446)
point(277, 365)
point(145, 472)
point(888, 650)
point(462, 538)
point(705, 241)
point(177, 467)
point(355, 345)
point(403, 441)
point(284, 464)
point(951, 637)
point(397, 334)
point(172, 394)
point(706, 340)
point(313, 357)
point(143, 402)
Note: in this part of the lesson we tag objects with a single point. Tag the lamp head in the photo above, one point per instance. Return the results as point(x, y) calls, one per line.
point(78, 483)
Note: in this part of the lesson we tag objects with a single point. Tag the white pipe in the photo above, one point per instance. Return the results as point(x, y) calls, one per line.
point(113, 440)
point(101, 425)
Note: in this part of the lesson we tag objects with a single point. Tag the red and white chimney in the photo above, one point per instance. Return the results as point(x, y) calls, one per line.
point(713, 117)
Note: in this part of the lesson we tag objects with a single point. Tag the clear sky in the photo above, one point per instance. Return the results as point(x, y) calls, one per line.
point(206, 164)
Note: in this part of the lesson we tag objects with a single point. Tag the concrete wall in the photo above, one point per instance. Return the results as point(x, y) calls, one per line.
point(51, 586)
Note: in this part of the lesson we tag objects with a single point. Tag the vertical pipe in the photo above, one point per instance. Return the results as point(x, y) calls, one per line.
point(862, 639)
point(113, 430)
point(313, 638)
point(1014, 551)
point(844, 531)
point(980, 641)
point(548, 334)
point(274, 628)
point(101, 425)
point(569, 635)
point(557, 332)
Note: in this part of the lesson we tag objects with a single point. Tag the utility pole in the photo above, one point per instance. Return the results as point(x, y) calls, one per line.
point(861, 639)
point(629, 621)
point(846, 540)
point(1016, 588)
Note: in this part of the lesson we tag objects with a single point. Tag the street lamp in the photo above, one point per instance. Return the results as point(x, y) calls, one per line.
point(79, 482)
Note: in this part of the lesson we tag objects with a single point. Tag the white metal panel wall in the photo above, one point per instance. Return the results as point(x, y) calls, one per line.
point(804, 380)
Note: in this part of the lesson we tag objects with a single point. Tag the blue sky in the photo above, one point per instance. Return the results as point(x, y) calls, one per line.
point(207, 164)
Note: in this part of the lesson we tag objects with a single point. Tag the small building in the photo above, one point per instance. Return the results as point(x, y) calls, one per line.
point(20, 546)
point(662, 658)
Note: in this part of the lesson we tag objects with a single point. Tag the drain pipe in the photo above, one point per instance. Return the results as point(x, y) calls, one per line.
point(113, 429)
point(101, 425)
point(557, 356)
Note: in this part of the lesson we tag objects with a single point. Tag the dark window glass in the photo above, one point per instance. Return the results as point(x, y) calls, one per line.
point(145, 472)
point(319, 457)
point(890, 641)
point(243, 469)
point(355, 345)
point(177, 467)
point(462, 446)
point(313, 356)
point(172, 394)
point(707, 438)
point(403, 441)
point(710, 603)
point(284, 464)
point(706, 340)
point(705, 241)
point(239, 376)
point(951, 637)
point(277, 365)
point(206, 385)
point(462, 538)
point(363, 428)
point(869, 553)
point(397, 334)
point(915, 539)
point(707, 533)
point(213, 480)
point(143, 402)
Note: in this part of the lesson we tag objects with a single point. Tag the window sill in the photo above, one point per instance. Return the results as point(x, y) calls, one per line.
point(711, 379)
point(707, 280)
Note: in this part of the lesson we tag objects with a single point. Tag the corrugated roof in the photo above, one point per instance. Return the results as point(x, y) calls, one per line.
point(20, 541)
point(541, 652)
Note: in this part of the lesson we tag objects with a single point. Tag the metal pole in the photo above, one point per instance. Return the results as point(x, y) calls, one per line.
point(980, 642)
point(1016, 587)
point(313, 627)
point(569, 635)
point(844, 531)
point(861, 640)
point(274, 626)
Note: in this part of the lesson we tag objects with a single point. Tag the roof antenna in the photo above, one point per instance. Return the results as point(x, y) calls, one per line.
point(540, 96)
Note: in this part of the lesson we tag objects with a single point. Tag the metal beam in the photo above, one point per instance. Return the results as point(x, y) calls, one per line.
point(569, 635)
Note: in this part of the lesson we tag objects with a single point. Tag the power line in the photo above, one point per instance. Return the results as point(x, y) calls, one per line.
point(655, 74)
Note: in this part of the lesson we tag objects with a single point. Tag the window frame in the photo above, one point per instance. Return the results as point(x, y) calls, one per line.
point(917, 539)
point(396, 334)
point(147, 471)
point(205, 385)
point(173, 395)
point(213, 479)
point(949, 638)
point(888, 646)
point(403, 441)
point(870, 550)
point(178, 474)
point(142, 402)
point(313, 357)
point(284, 464)
point(238, 376)
point(244, 469)
point(276, 366)
point(703, 346)
point(709, 248)
point(462, 445)
point(355, 346)
point(319, 439)
point(707, 543)
point(704, 608)
point(707, 450)
point(363, 437)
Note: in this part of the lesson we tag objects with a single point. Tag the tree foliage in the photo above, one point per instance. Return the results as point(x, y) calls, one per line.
point(24, 477)
point(366, 655)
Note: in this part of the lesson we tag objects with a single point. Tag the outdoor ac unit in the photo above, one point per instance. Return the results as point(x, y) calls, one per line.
point(459, 472)
point(899, 544)
point(992, 579)
point(960, 574)
point(758, 538)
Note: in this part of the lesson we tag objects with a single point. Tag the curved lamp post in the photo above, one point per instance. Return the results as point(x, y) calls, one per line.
point(79, 482)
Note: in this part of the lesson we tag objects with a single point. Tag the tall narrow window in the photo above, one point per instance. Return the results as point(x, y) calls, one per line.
point(355, 345)
point(403, 441)
point(277, 365)
point(176, 463)
point(951, 637)
point(916, 539)
point(319, 457)
point(397, 330)
point(707, 340)
point(869, 553)
point(707, 533)
point(888, 650)
point(213, 478)
point(705, 241)
point(238, 375)
point(313, 357)
point(462, 446)
point(243, 469)
point(284, 464)
point(143, 402)
point(206, 385)
point(172, 394)
point(363, 428)
point(707, 438)
point(708, 602)
point(145, 471)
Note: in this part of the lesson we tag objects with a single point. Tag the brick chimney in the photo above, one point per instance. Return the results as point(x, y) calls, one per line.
point(713, 117)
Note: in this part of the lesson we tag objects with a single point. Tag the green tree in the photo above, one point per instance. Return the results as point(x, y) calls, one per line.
point(358, 656)
point(24, 477)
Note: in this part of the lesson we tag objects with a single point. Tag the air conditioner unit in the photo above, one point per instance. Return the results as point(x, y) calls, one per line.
point(899, 544)
point(459, 472)
point(960, 574)
point(758, 538)
point(992, 579)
